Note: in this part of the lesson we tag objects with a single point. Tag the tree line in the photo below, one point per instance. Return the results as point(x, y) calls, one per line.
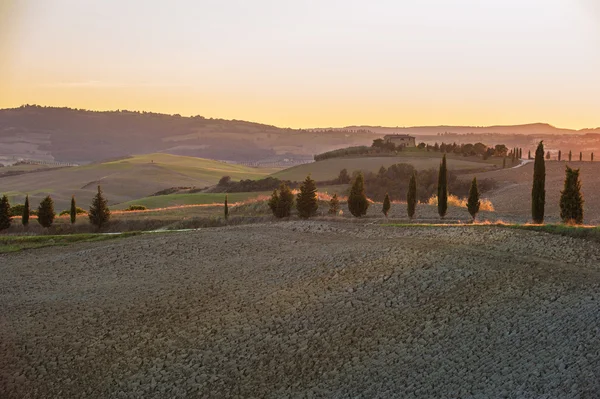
point(98, 214)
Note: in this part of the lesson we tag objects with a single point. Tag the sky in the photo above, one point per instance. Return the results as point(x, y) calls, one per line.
point(308, 63)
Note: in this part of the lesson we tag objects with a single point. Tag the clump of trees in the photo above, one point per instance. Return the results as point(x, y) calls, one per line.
point(281, 202)
point(306, 202)
point(46, 213)
point(99, 214)
point(358, 203)
point(571, 199)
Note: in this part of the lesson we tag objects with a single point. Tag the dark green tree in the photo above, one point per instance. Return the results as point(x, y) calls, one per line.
point(226, 208)
point(4, 213)
point(538, 190)
point(443, 189)
point(592, 158)
point(473, 203)
point(411, 196)
point(281, 202)
point(571, 199)
point(529, 155)
point(580, 156)
point(548, 155)
point(334, 205)
point(26, 212)
point(344, 177)
point(99, 213)
point(46, 213)
point(570, 156)
point(357, 200)
point(307, 203)
point(386, 205)
point(73, 210)
point(559, 155)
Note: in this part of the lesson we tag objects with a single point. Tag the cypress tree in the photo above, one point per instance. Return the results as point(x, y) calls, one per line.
point(411, 197)
point(386, 205)
point(357, 200)
point(548, 155)
point(73, 211)
point(529, 155)
point(592, 157)
point(46, 213)
point(571, 200)
point(226, 208)
point(559, 155)
point(580, 156)
point(26, 212)
point(570, 156)
point(306, 202)
point(473, 203)
point(538, 190)
point(286, 201)
point(4, 213)
point(443, 189)
point(99, 213)
point(520, 153)
point(334, 205)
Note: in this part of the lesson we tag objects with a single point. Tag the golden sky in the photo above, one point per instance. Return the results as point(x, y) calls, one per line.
point(310, 63)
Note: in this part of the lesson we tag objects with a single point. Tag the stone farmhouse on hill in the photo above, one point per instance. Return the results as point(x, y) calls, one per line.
point(400, 140)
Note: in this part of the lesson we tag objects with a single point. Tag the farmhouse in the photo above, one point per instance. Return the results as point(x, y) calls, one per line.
point(400, 140)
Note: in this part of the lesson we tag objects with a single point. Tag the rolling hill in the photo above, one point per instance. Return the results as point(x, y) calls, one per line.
point(123, 180)
point(330, 168)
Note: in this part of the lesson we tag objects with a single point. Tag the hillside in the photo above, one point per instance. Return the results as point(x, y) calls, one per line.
point(330, 168)
point(80, 136)
point(123, 180)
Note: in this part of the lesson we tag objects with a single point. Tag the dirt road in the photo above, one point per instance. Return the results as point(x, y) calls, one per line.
point(304, 309)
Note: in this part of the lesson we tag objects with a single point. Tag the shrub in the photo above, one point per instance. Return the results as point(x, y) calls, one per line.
point(306, 202)
point(135, 208)
point(386, 205)
point(571, 200)
point(99, 213)
point(334, 205)
point(4, 213)
point(78, 211)
point(281, 203)
point(46, 213)
point(357, 200)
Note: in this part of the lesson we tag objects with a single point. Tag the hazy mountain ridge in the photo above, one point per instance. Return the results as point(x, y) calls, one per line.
point(532, 128)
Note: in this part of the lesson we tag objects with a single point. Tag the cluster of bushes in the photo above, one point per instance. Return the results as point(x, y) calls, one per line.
point(98, 215)
point(135, 208)
point(225, 185)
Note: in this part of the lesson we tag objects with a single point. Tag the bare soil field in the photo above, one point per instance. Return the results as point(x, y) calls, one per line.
point(513, 196)
point(304, 309)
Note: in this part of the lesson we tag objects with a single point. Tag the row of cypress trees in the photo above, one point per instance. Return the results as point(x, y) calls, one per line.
point(99, 213)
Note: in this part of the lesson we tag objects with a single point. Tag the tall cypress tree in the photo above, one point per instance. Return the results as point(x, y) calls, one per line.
point(357, 200)
point(226, 208)
point(570, 156)
point(529, 155)
point(411, 196)
point(46, 213)
point(386, 205)
point(306, 202)
point(473, 203)
point(443, 189)
point(580, 156)
point(99, 213)
point(73, 210)
point(26, 212)
point(592, 158)
point(571, 200)
point(559, 155)
point(538, 190)
point(4, 213)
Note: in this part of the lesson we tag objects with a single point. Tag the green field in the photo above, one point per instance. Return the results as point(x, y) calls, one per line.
point(123, 180)
point(164, 201)
point(329, 169)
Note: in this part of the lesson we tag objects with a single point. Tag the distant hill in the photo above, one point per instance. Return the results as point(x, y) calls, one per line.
point(122, 180)
point(533, 128)
point(80, 136)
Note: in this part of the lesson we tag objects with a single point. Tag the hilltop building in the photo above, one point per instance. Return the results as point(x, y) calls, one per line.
point(400, 140)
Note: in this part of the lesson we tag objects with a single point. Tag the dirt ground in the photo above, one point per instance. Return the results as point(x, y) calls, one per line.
point(304, 309)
